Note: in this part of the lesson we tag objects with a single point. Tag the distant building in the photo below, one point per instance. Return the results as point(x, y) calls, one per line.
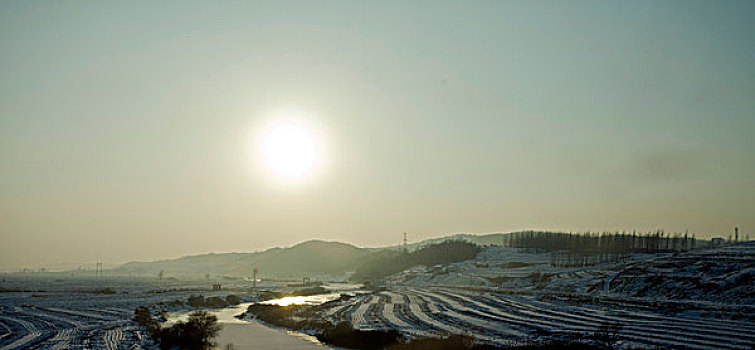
point(217, 286)
point(717, 242)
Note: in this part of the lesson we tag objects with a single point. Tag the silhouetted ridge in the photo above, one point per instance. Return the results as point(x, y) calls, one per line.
point(306, 257)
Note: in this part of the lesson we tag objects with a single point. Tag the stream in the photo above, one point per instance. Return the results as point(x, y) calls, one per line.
point(238, 334)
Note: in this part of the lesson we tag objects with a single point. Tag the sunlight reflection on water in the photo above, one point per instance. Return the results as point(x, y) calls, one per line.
point(306, 300)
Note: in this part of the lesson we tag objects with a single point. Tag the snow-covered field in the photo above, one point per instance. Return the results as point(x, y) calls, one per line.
point(65, 321)
point(66, 313)
point(500, 318)
point(698, 300)
point(720, 275)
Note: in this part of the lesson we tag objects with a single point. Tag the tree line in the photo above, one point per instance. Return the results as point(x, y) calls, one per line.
point(588, 248)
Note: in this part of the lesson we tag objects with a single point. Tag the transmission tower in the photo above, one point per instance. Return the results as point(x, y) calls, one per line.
point(405, 248)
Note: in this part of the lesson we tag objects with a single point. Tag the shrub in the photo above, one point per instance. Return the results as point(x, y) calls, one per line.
point(176, 303)
point(281, 316)
point(195, 301)
point(515, 265)
point(309, 291)
point(608, 332)
point(454, 342)
point(143, 317)
point(343, 335)
point(232, 299)
point(267, 295)
point(196, 333)
point(214, 302)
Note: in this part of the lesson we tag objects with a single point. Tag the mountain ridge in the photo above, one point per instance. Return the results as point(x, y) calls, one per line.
point(308, 257)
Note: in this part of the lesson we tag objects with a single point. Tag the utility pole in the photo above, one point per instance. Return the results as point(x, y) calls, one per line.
point(254, 281)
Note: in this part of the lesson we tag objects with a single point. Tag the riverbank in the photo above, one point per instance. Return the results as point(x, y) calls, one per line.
point(241, 334)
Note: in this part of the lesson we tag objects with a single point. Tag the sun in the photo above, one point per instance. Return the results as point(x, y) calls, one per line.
point(290, 150)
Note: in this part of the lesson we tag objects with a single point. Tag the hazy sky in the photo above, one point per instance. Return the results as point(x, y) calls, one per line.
point(130, 130)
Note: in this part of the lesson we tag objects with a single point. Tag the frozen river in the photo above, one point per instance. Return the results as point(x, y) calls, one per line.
point(244, 334)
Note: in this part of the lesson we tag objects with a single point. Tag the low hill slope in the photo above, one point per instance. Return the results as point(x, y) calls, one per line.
point(307, 257)
point(725, 274)
point(481, 240)
point(388, 262)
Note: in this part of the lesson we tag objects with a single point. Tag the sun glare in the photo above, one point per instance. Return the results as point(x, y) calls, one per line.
point(289, 150)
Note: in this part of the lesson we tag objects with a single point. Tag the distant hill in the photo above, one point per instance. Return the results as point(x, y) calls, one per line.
point(306, 257)
point(314, 256)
